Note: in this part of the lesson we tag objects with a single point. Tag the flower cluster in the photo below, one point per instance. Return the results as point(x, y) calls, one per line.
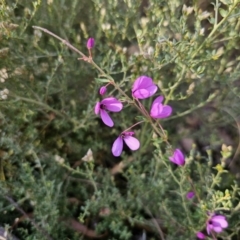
point(143, 87)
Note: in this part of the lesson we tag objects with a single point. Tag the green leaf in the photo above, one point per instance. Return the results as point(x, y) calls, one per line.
point(223, 12)
point(102, 80)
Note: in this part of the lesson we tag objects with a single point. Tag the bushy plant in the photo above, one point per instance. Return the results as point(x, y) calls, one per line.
point(119, 119)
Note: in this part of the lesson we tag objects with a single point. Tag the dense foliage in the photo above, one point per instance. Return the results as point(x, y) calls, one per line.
point(58, 176)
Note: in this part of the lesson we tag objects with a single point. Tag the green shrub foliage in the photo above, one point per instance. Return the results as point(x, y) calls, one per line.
point(58, 177)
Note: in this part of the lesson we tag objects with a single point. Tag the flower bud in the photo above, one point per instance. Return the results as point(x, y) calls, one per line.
point(190, 195)
point(102, 90)
point(90, 43)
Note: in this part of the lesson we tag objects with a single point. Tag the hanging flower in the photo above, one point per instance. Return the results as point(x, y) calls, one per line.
point(177, 157)
point(111, 104)
point(216, 223)
point(90, 43)
point(158, 110)
point(102, 90)
point(143, 87)
point(131, 142)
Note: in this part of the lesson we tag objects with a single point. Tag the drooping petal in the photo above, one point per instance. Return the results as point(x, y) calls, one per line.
point(117, 147)
point(106, 118)
point(112, 104)
point(97, 108)
point(132, 142)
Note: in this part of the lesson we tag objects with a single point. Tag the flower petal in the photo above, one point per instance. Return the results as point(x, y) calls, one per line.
point(152, 89)
point(156, 110)
point(166, 112)
point(141, 94)
point(209, 228)
point(143, 87)
point(221, 220)
point(200, 235)
point(178, 157)
point(132, 142)
point(106, 118)
point(117, 147)
point(158, 100)
point(97, 108)
point(112, 104)
point(142, 82)
point(217, 229)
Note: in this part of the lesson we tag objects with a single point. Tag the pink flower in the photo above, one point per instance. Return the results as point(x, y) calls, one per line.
point(131, 142)
point(190, 195)
point(111, 104)
point(177, 157)
point(200, 235)
point(90, 43)
point(158, 110)
point(102, 90)
point(216, 224)
point(143, 87)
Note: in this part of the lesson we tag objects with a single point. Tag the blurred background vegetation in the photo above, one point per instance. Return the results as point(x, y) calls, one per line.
point(190, 49)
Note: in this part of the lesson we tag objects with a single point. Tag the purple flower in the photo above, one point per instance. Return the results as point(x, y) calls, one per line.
point(177, 157)
point(216, 224)
point(132, 143)
point(158, 110)
point(143, 87)
point(102, 90)
point(190, 195)
point(111, 104)
point(90, 43)
point(200, 235)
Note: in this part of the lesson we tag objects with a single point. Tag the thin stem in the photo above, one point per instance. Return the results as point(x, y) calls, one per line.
point(41, 104)
point(61, 39)
point(133, 126)
point(216, 14)
point(174, 86)
point(210, 98)
point(215, 29)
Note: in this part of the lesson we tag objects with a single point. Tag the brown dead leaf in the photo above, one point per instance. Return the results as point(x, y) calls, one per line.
point(120, 166)
point(80, 228)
